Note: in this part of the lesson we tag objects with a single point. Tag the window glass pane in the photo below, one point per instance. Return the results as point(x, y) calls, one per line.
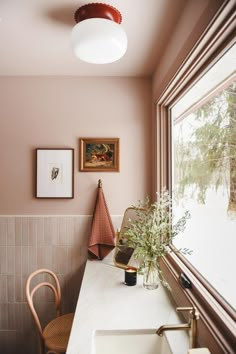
point(214, 78)
point(204, 182)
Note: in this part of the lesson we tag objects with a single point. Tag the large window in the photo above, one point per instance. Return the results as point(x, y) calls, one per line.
point(196, 159)
point(204, 173)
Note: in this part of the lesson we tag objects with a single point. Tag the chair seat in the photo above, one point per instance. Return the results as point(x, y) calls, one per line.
point(56, 333)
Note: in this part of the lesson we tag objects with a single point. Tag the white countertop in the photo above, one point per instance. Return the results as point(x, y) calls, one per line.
point(105, 302)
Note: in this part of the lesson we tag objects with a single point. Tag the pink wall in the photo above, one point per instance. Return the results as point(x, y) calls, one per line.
point(195, 18)
point(56, 112)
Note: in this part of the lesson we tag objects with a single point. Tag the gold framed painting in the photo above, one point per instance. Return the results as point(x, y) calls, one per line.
point(99, 155)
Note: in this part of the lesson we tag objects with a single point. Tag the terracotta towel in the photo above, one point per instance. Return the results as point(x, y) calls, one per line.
point(101, 240)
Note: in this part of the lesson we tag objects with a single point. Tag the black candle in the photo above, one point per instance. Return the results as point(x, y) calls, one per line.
point(130, 276)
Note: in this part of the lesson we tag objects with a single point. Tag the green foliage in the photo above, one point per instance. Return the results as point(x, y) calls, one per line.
point(208, 158)
point(153, 230)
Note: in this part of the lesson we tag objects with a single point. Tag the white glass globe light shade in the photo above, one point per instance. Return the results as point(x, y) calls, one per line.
point(99, 41)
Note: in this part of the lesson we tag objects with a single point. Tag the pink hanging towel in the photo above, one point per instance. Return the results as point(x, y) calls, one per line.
point(101, 240)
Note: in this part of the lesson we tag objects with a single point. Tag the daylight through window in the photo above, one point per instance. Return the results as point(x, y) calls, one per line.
point(204, 173)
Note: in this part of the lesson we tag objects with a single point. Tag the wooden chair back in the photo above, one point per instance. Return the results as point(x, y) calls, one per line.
point(54, 286)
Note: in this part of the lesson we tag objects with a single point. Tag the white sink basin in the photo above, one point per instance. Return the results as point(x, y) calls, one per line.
point(138, 341)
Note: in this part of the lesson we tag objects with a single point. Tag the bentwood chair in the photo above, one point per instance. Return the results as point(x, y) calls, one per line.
point(53, 339)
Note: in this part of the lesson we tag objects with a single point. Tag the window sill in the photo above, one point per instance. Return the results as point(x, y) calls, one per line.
point(216, 328)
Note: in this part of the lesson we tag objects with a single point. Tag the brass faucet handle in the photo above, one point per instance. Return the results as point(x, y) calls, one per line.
point(194, 314)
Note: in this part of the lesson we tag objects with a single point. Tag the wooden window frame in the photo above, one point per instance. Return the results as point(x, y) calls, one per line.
point(216, 327)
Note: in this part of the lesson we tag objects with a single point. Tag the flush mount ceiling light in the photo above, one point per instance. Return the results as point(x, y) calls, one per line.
point(97, 37)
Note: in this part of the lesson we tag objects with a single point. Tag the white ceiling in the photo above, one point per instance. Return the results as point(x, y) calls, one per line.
point(35, 37)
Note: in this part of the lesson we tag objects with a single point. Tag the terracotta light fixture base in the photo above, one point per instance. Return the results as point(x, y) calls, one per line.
point(98, 10)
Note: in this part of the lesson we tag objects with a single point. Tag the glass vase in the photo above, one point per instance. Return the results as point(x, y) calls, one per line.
point(150, 274)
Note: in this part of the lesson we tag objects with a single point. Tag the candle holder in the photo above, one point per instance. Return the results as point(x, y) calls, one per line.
point(130, 276)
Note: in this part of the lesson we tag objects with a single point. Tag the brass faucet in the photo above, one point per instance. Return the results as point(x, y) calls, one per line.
point(191, 325)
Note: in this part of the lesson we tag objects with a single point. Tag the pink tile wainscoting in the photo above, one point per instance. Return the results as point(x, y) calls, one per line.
point(26, 244)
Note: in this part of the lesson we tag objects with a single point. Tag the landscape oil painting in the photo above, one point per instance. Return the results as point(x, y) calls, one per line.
point(99, 154)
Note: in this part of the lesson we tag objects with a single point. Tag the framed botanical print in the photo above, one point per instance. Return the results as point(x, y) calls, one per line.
point(54, 173)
